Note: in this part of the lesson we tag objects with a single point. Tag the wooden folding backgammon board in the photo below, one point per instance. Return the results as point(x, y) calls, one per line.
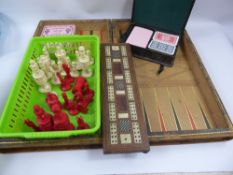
point(180, 105)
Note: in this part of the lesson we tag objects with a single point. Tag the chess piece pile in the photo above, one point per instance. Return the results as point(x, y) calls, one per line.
point(59, 120)
point(46, 70)
point(67, 73)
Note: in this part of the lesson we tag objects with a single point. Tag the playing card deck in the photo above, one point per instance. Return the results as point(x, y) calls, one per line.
point(162, 47)
point(166, 38)
point(166, 20)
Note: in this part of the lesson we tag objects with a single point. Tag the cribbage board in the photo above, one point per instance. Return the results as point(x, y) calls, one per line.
point(124, 128)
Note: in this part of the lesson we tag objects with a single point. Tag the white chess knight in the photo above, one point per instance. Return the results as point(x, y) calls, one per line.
point(84, 61)
point(39, 77)
point(62, 58)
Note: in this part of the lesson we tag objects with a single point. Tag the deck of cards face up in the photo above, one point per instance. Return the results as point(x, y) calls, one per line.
point(156, 29)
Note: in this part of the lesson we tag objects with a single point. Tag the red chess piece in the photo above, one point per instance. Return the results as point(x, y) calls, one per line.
point(84, 100)
point(68, 76)
point(60, 119)
point(52, 99)
point(89, 94)
point(70, 105)
point(80, 85)
point(44, 119)
point(78, 95)
point(82, 124)
point(32, 125)
point(65, 85)
point(82, 106)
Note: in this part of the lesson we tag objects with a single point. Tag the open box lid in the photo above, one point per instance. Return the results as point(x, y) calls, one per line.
point(164, 15)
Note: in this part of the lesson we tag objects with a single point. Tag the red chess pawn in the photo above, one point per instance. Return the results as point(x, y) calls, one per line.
point(44, 119)
point(60, 119)
point(82, 124)
point(65, 85)
point(70, 105)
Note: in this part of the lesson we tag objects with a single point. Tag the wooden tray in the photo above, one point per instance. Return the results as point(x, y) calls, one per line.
point(181, 105)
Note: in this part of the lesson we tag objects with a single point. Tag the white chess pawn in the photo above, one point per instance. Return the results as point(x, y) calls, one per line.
point(40, 77)
point(45, 64)
point(84, 60)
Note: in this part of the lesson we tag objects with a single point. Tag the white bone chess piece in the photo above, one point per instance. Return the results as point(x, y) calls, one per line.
point(45, 64)
point(84, 61)
point(75, 67)
point(62, 58)
point(55, 79)
point(39, 77)
point(54, 66)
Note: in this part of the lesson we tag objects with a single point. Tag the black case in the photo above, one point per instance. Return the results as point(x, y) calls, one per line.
point(170, 16)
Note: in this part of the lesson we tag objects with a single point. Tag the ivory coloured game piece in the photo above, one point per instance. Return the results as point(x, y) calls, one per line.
point(39, 77)
point(55, 80)
point(85, 61)
point(62, 58)
point(75, 67)
point(45, 64)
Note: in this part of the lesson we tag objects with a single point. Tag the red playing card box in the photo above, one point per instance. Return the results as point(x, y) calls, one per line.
point(166, 38)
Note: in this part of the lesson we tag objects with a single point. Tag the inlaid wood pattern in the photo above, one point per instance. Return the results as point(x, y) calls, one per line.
point(172, 99)
point(124, 127)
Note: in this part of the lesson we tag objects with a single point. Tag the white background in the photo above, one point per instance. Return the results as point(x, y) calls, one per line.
point(210, 28)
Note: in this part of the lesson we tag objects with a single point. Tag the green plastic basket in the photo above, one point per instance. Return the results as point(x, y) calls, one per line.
point(24, 93)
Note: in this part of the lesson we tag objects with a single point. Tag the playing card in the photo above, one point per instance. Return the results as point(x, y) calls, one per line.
point(55, 30)
point(166, 38)
point(162, 47)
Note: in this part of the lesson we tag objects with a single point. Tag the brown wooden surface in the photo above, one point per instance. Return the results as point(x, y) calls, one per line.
point(181, 98)
point(186, 80)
